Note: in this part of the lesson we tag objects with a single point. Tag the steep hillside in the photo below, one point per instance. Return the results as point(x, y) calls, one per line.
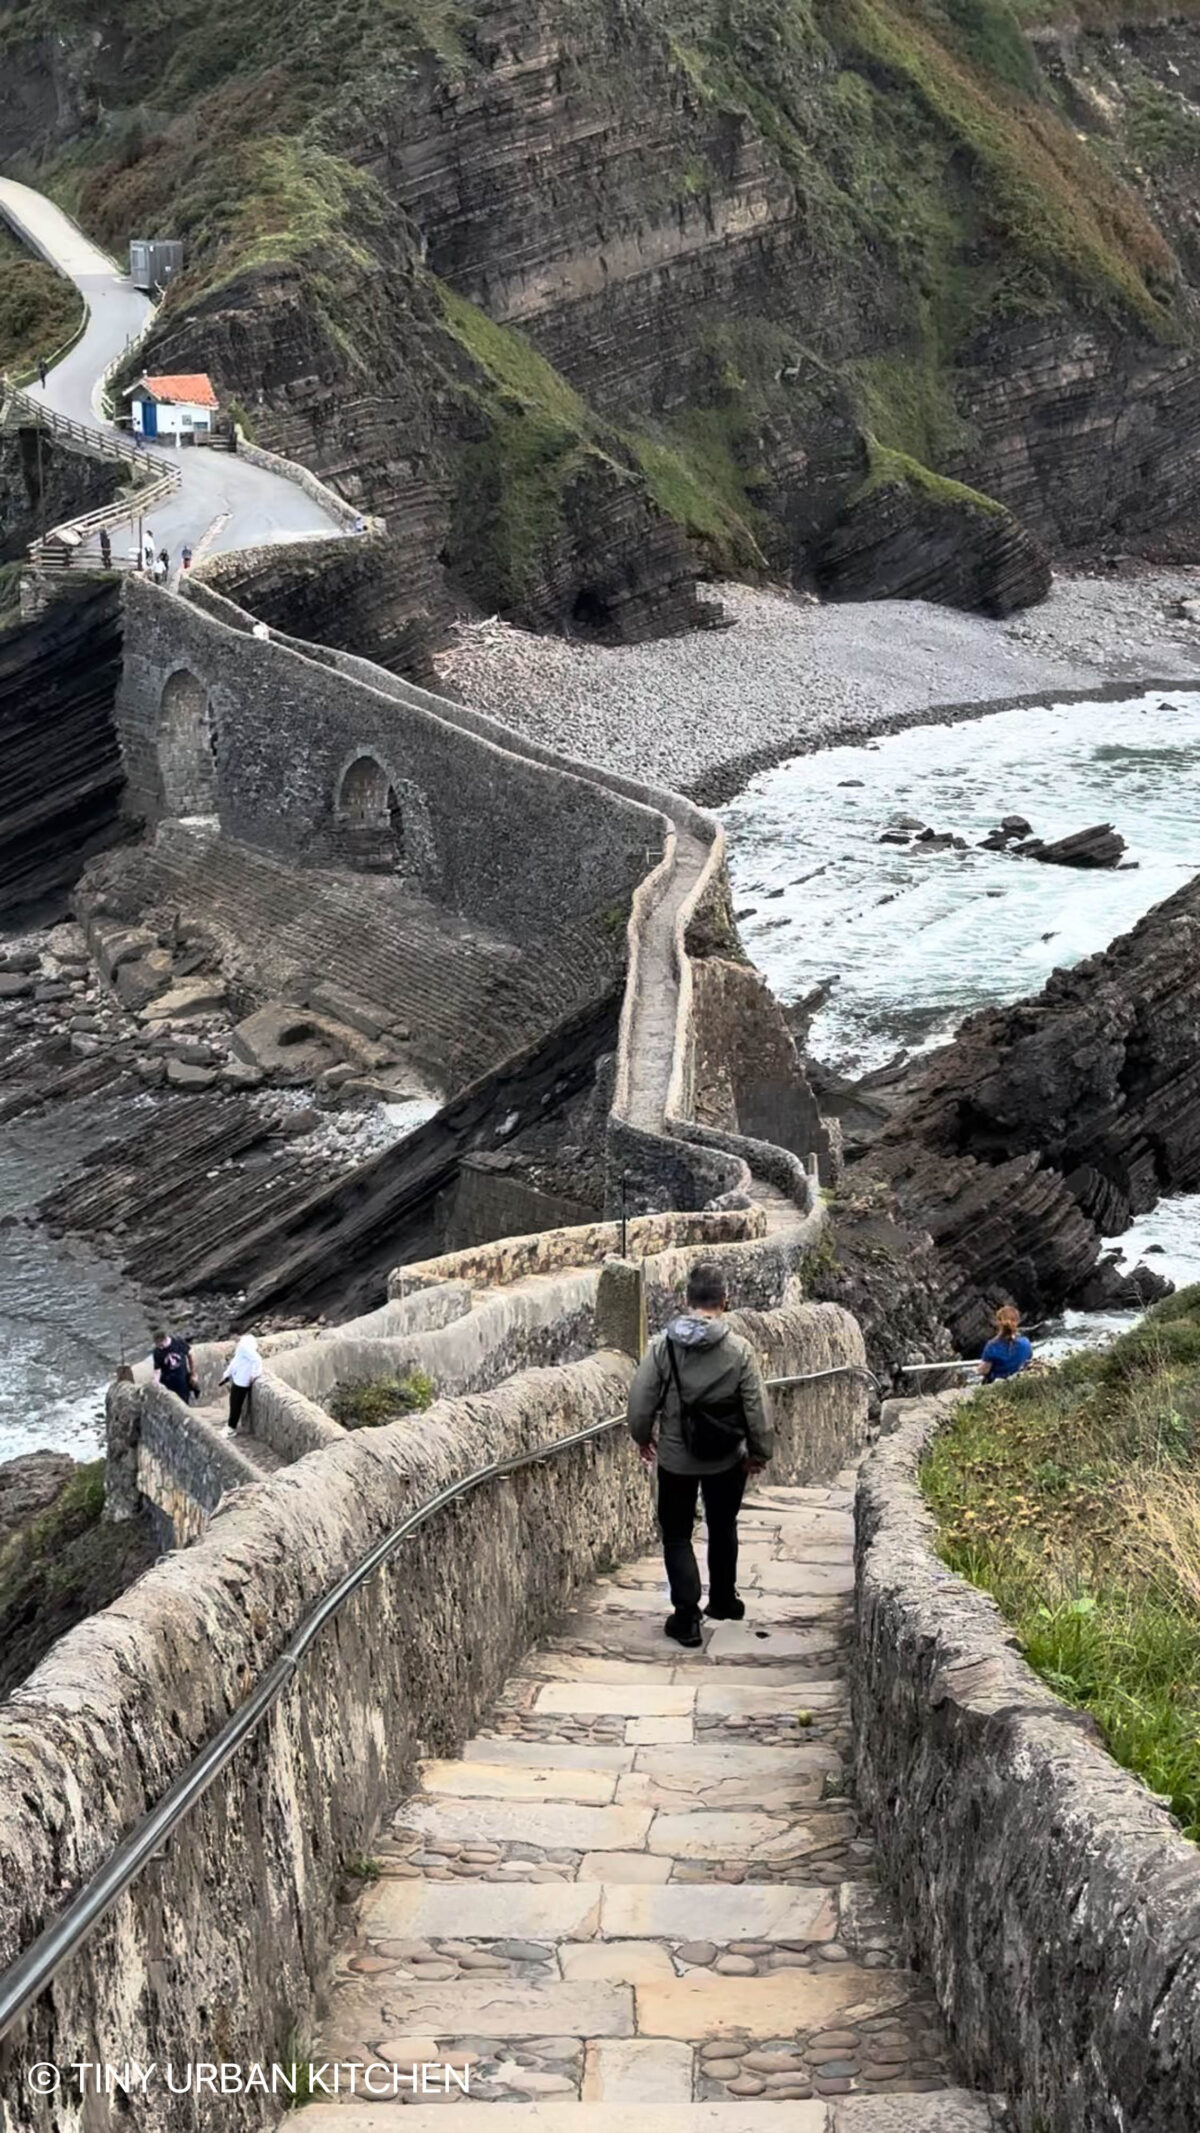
point(38, 309)
point(582, 297)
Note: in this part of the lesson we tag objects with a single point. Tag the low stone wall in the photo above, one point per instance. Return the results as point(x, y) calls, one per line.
point(169, 1457)
point(589, 1244)
point(291, 470)
point(549, 1320)
point(284, 1418)
point(223, 1939)
point(1053, 1902)
point(510, 1329)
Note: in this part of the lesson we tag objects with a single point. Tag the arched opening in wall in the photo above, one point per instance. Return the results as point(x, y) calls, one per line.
point(369, 817)
point(187, 746)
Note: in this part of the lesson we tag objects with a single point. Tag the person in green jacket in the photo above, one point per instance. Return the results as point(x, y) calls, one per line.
point(701, 1384)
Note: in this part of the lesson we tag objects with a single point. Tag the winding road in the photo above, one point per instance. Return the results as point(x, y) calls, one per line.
point(223, 502)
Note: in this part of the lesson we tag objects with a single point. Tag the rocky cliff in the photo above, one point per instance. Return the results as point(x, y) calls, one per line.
point(61, 778)
point(589, 301)
point(1048, 1126)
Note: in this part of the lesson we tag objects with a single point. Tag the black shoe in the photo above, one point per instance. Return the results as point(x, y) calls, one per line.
point(733, 1610)
point(685, 1629)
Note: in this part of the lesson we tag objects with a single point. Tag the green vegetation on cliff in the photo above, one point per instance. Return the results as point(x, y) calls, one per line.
point(38, 309)
point(1073, 1499)
point(61, 1566)
point(361, 184)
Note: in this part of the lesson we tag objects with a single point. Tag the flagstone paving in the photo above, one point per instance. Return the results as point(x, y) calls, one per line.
point(642, 1900)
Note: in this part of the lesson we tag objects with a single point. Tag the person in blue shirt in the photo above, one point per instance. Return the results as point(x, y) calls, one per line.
point(1008, 1351)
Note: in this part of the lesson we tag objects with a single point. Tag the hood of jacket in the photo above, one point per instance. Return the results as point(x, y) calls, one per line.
point(689, 1332)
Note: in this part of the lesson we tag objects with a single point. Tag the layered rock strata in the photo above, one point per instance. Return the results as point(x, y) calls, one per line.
point(1051, 1124)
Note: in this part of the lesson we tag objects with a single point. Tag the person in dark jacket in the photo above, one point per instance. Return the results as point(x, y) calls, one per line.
point(702, 1385)
point(172, 1361)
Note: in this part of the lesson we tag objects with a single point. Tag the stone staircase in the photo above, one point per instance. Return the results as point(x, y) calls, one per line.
point(468, 996)
point(642, 1900)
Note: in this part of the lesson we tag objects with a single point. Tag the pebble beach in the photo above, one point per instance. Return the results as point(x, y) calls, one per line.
point(700, 713)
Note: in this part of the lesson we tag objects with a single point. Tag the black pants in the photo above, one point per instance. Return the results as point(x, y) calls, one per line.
point(238, 1397)
point(722, 1495)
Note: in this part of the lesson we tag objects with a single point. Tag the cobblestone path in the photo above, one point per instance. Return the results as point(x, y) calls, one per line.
point(642, 1900)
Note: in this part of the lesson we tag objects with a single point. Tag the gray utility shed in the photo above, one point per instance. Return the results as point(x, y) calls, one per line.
point(154, 261)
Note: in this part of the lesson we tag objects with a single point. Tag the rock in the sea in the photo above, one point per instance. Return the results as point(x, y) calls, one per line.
point(1108, 1289)
point(1016, 826)
point(1099, 846)
point(1052, 1123)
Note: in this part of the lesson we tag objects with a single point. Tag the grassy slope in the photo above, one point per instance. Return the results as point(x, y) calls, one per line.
point(919, 137)
point(38, 309)
point(1073, 1498)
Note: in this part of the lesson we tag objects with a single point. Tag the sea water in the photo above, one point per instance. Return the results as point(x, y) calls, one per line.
point(917, 938)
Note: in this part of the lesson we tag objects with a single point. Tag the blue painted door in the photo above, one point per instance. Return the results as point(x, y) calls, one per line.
point(149, 418)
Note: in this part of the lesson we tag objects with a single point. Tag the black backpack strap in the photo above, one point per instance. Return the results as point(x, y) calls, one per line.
point(673, 1360)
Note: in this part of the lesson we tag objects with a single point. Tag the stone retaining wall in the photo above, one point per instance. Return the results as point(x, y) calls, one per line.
point(1053, 1902)
point(123, 1703)
point(281, 729)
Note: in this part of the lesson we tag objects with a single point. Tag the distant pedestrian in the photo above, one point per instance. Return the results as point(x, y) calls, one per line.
point(242, 1373)
point(172, 1360)
point(105, 549)
point(703, 1385)
point(41, 374)
point(1009, 1351)
point(162, 569)
point(185, 556)
point(149, 552)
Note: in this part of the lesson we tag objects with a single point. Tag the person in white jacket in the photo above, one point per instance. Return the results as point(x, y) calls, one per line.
point(240, 1373)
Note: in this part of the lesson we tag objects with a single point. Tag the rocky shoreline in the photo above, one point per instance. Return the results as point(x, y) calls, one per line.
point(703, 713)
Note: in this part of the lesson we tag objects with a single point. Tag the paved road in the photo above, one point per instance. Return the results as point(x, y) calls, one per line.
point(223, 502)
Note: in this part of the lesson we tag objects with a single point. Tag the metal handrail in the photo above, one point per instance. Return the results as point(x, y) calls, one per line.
point(959, 1362)
point(35, 1969)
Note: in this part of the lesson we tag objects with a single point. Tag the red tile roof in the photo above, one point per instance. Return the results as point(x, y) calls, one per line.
point(193, 388)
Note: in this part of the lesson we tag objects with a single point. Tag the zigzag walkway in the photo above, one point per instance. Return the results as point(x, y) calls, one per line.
point(642, 1901)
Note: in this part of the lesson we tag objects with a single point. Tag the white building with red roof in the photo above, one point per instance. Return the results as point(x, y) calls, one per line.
point(176, 407)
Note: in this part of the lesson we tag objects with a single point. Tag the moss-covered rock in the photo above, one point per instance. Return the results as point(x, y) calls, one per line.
point(59, 1561)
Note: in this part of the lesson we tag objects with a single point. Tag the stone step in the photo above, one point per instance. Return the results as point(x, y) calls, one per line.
point(687, 1832)
point(668, 1783)
point(941, 2111)
point(576, 2117)
point(666, 1759)
point(586, 1910)
point(759, 1642)
point(791, 1689)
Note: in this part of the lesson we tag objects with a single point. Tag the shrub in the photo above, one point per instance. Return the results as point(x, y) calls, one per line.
point(377, 1401)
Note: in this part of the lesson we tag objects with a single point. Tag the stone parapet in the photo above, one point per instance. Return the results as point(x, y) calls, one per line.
point(512, 1258)
point(1053, 1902)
